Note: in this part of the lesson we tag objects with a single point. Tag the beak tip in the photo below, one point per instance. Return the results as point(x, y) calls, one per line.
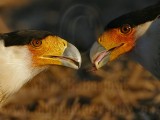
point(74, 55)
point(98, 55)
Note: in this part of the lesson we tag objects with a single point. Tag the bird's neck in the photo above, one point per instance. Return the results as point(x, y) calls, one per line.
point(15, 69)
point(147, 49)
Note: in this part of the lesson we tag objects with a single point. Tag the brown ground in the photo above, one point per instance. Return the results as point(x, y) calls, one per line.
point(125, 92)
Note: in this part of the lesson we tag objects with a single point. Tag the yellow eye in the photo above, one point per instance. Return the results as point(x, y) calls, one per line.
point(36, 43)
point(125, 29)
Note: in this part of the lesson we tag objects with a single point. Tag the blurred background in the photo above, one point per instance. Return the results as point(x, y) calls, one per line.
point(122, 90)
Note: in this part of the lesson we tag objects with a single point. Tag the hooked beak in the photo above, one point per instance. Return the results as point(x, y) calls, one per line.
point(71, 57)
point(99, 55)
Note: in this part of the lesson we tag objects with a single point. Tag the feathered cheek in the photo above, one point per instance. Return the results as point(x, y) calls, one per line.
point(48, 52)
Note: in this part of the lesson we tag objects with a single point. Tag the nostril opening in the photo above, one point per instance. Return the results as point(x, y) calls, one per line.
point(64, 44)
point(100, 40)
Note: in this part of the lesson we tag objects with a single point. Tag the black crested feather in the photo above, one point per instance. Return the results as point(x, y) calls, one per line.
point(23, 37)
point(136, 18)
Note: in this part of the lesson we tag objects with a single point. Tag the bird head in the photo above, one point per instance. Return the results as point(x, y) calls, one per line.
point(121, 34)
point(44, 48)
point(24, 54)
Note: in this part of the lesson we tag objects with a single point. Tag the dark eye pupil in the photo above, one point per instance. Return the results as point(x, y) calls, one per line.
point(125, 29)
point(36, 43)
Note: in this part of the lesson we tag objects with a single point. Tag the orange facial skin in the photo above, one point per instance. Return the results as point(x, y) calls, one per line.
point(47, 50)
point(118, 42)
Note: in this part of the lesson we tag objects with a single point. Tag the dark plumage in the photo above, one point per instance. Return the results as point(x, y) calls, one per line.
point(136, 18)
point(23, 37)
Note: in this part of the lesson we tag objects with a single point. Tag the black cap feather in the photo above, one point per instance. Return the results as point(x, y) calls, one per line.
point(23, 37)
point(136, 18)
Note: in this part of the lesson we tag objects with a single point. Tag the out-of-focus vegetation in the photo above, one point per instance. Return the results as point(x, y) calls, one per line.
point(122, 90)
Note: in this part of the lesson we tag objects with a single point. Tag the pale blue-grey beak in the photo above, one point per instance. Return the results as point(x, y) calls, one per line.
point(99, 56)
point(71, 57)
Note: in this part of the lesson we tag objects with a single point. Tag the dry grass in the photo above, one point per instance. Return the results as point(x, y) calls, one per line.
point(126, 91)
